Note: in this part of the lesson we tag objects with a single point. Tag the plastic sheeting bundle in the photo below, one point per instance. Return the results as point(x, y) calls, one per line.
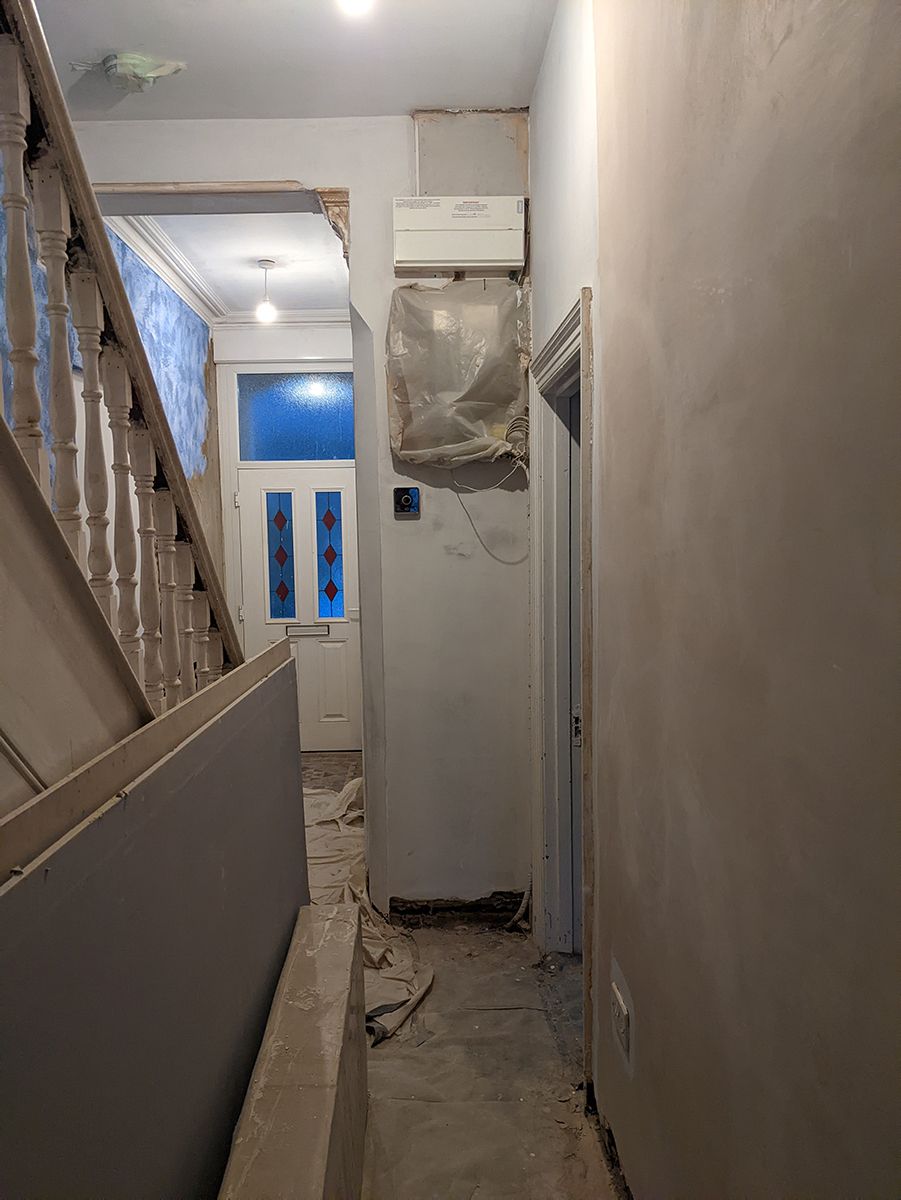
point(457, 360)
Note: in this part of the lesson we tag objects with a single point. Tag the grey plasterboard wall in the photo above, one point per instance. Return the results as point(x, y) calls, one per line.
point(748, 525)
point(138, 959)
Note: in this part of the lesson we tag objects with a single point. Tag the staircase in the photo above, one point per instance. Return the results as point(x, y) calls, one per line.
point(156, 584)
point(152, 849)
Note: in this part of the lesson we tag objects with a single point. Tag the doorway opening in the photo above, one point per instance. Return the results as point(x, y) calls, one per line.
point(277, 468)
point(569, 507)
point(562, 615)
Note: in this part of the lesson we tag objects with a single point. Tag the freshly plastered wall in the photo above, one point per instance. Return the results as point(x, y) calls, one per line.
point(747, 847)
point(563, 220)
point(446, 667)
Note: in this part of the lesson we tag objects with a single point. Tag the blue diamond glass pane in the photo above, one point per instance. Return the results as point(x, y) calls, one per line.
point(280, 556)
point(330, 554)
point(306, 416)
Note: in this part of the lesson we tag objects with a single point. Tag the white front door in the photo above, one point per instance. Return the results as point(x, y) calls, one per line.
point(299, 580)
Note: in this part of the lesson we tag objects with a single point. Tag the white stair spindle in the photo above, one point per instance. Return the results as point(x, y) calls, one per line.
point(117, 396)
point(143, 468)
point(202, 638)
point(184, 580)
point(166, 528)
point(215, 656)
point(87, 316)
point(21, 318)
point(52, 224)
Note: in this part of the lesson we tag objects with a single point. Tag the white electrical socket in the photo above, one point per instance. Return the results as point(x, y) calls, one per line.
point(619, 1011)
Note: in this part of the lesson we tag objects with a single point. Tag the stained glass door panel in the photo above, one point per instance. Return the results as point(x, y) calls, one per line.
point(299, 580)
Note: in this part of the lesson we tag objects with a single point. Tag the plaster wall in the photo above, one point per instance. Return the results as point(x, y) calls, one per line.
point(563, 219)
point(748, 508)
point(472, 153)
point(445, 674)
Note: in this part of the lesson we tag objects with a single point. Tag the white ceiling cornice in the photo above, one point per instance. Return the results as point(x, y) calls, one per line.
point(152, 244)
point(292, 316)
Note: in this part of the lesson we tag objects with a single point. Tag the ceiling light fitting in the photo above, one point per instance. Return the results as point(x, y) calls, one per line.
point(131, 72)
point(266, 310)
point(355, 8)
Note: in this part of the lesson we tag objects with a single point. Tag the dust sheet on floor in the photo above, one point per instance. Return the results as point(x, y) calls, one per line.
point(395, 979)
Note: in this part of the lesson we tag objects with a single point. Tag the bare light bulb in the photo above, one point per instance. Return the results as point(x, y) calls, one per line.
point(355, 8)
point(266, 310)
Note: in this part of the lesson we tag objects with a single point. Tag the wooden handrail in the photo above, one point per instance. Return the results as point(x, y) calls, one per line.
point(22, 22)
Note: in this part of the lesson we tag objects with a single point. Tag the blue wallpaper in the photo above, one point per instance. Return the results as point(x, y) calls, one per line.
point(39, 282)
point(176, 341)
point(175, 338)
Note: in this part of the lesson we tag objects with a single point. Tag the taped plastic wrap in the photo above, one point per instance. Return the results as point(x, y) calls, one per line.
point(457, 359)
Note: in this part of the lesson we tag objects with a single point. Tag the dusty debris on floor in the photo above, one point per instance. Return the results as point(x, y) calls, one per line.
point(332, 769)
point(395, 979)
point(477, 1097)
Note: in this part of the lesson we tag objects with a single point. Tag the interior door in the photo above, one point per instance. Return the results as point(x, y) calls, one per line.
point(299, 580)
point(575, 662)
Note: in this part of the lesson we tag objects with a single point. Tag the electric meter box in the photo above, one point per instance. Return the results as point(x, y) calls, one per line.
point(459, 233)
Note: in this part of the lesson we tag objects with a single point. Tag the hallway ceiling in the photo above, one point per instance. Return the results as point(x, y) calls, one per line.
point(216, 255)
point(301, 58)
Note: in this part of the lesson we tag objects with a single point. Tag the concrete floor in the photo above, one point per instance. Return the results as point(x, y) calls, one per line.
point(477, 1097)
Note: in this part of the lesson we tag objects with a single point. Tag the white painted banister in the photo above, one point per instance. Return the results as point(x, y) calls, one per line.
point(52, 223)
point(143, 468)
point(166, 528)
point(202, 638)
point(215, 656)
point(87, 316)
point(117, 396)
point(21, 319)
point(184, 579)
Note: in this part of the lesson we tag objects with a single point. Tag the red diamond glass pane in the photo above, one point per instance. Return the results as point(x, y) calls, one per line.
point(330, 555)
point(282, 591)
point(281, 556)
point(280, 520)
point(330, 590)
point(329, 519)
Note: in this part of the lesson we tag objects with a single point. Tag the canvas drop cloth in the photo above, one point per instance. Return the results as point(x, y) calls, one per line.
point(457, 360)
point(395, 981)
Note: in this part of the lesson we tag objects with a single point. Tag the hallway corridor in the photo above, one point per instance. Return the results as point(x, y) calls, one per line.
point(476, 1097)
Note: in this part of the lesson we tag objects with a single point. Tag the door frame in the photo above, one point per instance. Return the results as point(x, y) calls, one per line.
point(230, 460)
point(565, 360)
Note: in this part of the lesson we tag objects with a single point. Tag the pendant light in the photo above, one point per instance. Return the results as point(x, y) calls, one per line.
point(266, 310)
